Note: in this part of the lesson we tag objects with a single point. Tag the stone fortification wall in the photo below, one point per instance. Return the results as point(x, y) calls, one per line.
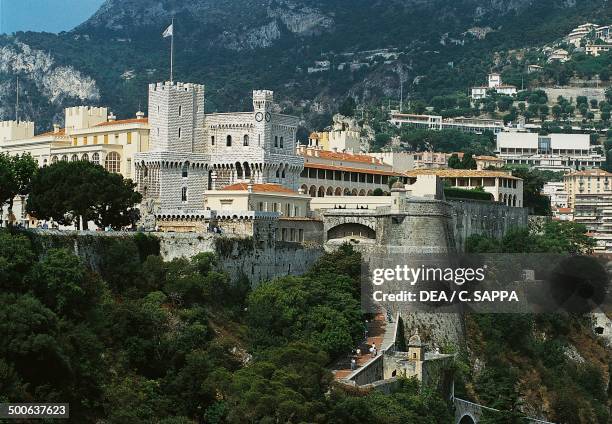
point(486, 218)
point(259, 261)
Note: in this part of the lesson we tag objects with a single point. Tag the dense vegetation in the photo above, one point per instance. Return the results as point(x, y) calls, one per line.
point(143, 341)
point(436, 56)
point(527, 359)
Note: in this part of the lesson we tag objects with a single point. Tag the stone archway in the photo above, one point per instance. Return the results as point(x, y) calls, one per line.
point(467, 419)
point(351, 229)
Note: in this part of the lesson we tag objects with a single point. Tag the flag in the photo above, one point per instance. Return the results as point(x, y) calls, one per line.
point(169, 32)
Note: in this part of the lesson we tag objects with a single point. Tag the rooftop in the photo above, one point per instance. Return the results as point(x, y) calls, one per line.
point(339, 156)
point(490, 158)
point(259, 188)
point(125, 121)
point(460, 173)
point(349, 169)
point(590, 173)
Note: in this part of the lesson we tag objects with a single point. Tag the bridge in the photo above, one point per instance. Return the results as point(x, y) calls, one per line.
point(467, 412)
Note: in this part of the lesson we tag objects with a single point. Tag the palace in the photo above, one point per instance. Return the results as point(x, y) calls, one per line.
point(191, 151)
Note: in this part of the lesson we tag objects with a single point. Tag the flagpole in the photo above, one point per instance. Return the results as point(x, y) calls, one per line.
point(172, 54)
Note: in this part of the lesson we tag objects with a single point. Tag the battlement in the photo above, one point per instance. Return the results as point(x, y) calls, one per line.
point(16, 130)
point(176, 86)
point(81, 117)
point(263, 95)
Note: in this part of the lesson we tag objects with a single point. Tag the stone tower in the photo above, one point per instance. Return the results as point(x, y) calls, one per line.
point(262, 109)
point(176, 117)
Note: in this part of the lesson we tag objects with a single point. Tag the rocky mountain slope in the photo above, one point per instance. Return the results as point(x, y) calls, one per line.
point(433, 46)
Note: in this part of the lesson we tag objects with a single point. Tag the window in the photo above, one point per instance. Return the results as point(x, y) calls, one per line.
point(116, 138)
point(64, 158)
point(281, 142)
point(157, 131)
point(54, 159)
point(105, 138)
point(95, 139)
point(179, 132)
point(246, 140)
point(113, 162)
point(229, 141)
point(275, 141)
point(186, 170)
point(85, 157)
point(75, 141)
point(129, 138)
point(184, 194)
point(212, 140)
point(85, 141)
point(95, 158)
point(180, 110)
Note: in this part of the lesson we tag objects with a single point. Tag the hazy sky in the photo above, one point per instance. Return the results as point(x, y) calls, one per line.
point(44, 15)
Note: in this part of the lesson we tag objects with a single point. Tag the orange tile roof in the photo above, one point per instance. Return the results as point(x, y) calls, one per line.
point(460, 173)
point(492, 158)
point(345, 157)
point(350, 169)
point(61, 132)
point(590, 172)
point(125, 121)
point(259, 188)
point(564, 210)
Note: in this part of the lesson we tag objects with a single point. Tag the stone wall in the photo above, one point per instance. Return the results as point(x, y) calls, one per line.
point(260, 261)
point(492, 219)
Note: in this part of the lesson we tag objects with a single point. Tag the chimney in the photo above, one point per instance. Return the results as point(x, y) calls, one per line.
point(140, 115)
point(56, 128)
point(335, 149)
point(250, 186)
point(316, 153)
point(112, 117)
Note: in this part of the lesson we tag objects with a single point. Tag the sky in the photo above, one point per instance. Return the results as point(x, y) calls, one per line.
point(45, 15)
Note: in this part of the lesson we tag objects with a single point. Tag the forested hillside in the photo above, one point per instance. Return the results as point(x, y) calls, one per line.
point(435, 47)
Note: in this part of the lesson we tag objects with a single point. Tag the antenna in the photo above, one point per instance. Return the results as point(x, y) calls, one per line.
point(17, 103)
point(401, 93)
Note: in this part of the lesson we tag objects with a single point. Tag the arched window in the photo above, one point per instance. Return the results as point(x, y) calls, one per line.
point(54, 159)
point(113, 162)
point(85, 157)
point(245, 142)
point(74, 158)
point(95, 158)
point(184, 194)
point(65, 158)
point(228, 143)
point(44, 163)
point(186, 170)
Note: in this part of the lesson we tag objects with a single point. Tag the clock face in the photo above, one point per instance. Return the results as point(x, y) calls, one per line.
point(268, 116)
point(259, 116)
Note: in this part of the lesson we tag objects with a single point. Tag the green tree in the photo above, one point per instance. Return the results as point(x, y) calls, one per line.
point(70, 192)
point(16, 174)
point(348, 106)
point(454, 162)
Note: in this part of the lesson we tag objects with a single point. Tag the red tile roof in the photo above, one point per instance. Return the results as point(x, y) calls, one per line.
point(61, 132)
point(259, 188)
point(345, 157)
point(125, 121)
point(349, 169)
